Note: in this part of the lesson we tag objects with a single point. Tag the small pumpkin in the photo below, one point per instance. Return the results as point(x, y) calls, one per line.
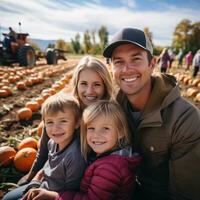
point(24, 159)
point(33, 105)
point(21, 85)
point(3, 93)
point(24, 113)
point(27, 142)
point(7, 154)
point(40, 100)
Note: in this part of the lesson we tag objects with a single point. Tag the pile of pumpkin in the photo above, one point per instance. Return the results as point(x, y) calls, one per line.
point(192, 84)
point(22, 157)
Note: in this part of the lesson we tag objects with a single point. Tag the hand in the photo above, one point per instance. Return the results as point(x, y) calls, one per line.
point(27, 178)
point(40, 194)
point(23, 180)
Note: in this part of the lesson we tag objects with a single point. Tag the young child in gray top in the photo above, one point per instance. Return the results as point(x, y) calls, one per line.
point(65, 165)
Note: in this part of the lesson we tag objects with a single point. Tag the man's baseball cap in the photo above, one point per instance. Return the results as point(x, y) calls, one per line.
point(128, 36)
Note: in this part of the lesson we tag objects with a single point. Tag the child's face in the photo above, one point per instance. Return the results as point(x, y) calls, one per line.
point(61, 126)
point(90, 87)
point(102, 135)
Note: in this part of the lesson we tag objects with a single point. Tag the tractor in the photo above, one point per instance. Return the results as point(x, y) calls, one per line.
point(17, 50)
point(53, 55)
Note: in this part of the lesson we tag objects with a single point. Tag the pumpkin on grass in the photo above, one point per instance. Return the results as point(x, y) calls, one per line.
point(24, 159)
point(27, 142)
point(33, 105)
point(7, 154)
point(24, 113)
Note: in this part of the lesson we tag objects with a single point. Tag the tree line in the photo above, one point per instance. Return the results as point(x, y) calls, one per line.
point(186, 37)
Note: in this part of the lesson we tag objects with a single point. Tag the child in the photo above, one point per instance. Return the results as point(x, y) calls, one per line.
point(65, 165)
point(111, 174)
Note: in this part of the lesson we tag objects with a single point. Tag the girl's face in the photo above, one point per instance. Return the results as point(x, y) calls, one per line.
point(102, 135)
point(90, 87)
point(60, 127)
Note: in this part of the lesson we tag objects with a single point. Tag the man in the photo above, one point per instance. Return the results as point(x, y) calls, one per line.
point(164, 126)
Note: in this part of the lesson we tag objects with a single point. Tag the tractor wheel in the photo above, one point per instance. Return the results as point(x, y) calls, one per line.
point(26, 56)
point(51, 57)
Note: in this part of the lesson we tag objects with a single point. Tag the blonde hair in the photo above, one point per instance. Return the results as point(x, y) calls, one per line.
point(58, 103)
point(89, 62)
point(109, 109)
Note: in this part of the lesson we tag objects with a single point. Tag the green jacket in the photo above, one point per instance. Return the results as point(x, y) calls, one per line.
point(168, 138)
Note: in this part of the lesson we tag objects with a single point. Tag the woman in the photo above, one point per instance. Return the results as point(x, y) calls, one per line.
point(91, 82)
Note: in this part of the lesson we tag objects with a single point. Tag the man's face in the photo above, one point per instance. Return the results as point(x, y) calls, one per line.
point(131, 69)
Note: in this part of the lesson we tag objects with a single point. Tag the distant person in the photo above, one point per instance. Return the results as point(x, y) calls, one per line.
point(188, 60)
point(172, 57)
point(196, 63)
point(65, 165)
point(164, 60)
point(111, 172)
point(180, 58)
point(12, 34)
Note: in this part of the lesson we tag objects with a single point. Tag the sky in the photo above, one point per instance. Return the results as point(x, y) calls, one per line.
point(63, 19)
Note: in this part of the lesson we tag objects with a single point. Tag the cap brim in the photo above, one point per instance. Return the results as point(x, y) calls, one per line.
point(108, 51)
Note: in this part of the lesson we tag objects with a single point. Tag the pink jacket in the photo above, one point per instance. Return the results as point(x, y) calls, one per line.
point(108, 177)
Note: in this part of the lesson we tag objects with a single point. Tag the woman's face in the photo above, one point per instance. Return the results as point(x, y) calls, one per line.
point(90, 87)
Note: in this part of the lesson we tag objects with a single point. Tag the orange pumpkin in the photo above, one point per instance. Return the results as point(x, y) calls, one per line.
point(24, 159)
point(3, 93)
point(195, 82)
point(197, 98)
point(45, 96)
point(8, 89)
point(192, 92)
point(40, 100)
point(40, 128)
point(27, 142)
point(28, 82)
point(33, 105)
point(7, 154)
point(24, 113)
point(21, 85)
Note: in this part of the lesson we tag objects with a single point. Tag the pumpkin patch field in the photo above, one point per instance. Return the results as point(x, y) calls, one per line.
point(22, 92)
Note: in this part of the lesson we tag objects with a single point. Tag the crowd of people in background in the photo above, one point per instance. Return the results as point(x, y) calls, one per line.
point(191, 61)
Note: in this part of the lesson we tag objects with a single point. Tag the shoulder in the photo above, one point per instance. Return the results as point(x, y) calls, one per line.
point(73, 154)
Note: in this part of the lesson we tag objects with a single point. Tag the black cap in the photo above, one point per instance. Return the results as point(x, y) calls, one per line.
point(126, 36)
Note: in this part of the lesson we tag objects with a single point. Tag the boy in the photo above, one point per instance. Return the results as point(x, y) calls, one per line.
point(65, 165)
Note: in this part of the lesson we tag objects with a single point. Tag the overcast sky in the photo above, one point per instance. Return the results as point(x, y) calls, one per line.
point(56, 19)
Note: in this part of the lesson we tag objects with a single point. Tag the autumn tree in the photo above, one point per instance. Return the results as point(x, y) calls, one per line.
point(103, 37)
point(87, 41)
point(187, 36)
point(149, 34)
point(75, 44)
point(61, 44)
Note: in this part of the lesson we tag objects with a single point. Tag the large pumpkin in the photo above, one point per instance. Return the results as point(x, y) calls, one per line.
point(7, 154)
point(27, 142)
point(24, 159)
point(24, 113)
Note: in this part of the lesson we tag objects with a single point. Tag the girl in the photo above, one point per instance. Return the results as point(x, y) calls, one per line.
point(111, 174)
point(91, 81)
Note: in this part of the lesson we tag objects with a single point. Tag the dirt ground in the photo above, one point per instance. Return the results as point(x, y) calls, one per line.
point(12, 130)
